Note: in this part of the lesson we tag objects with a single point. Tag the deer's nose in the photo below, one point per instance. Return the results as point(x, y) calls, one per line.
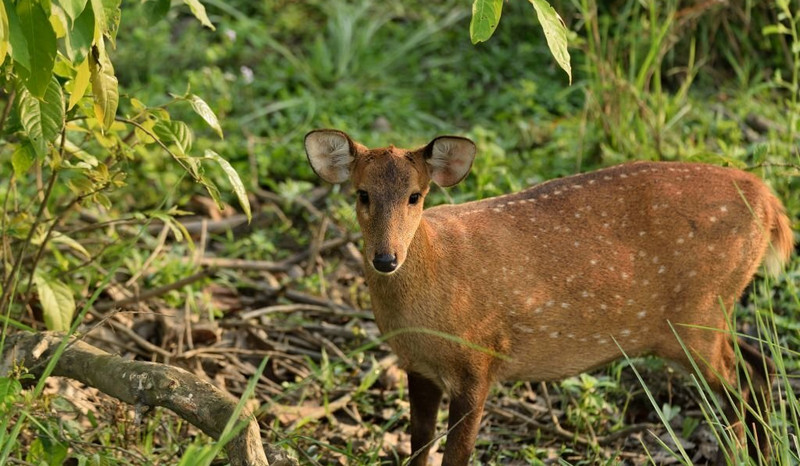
point(385, 263)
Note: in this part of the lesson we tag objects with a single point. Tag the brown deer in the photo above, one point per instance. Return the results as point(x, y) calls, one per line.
point(556, 279)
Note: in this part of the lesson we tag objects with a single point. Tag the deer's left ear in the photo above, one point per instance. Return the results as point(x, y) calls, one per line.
point(449, 159)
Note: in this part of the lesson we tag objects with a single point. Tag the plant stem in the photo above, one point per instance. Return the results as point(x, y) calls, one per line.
point(9, 285)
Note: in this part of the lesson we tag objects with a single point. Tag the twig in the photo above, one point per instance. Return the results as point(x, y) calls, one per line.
point(101, 306)
point(9, 285)
point(122, 328)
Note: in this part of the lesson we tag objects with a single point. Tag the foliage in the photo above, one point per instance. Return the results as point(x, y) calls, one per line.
point(486, 16)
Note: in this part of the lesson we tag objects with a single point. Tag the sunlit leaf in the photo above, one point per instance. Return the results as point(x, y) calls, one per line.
point(174, 132)
point(107, 15)
point(42, 119)
point(58, 303)
point(234, 179)
point(80, 83)
point(199, 12)
point(104, 86)
point(4, 32)
point(73, 8)
point(555, 31)
point(202, 109)
point(61, 238)
point(41, 41)
point(485, 17)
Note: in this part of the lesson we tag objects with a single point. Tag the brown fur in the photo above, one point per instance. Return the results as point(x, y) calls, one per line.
point(554, 277)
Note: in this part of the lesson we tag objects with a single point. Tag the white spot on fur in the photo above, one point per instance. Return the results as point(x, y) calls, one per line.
point(553, 334)
point(645, 282)
point(692, 273)
point(655, 259)
point(538, 310)
point(680, 241)
point(713, 219)
point(593, 261)
point(662, 269)
point(523, 328)
point(642, 314)
point(723, 209)
point(710, 247)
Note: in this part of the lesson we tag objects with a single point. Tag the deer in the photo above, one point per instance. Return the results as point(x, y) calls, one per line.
point(558, 279)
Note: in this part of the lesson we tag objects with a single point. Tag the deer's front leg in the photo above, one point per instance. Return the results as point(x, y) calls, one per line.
point(466, 410)
point(425, 397)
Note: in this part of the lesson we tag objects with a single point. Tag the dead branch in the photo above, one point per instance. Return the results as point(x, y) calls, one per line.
point(142, 384)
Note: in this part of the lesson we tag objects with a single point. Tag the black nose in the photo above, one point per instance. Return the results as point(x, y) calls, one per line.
point(385, 262)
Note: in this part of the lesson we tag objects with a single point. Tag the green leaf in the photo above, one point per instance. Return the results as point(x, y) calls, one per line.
point(775, 29)
point(233, 178)
point(17, 44)
point(156, 10)
point(41, 46)
point(202, 109)
point(104, 85)
point(58, 303)
point(199, 12)
point(73, 8)
point(22, 159)
point(485, 17)
point(555, 31)
point(4, 32)
point(9, 392)
point(70, 243)
point(43, 119)
point(174, 132)
point(79, 38)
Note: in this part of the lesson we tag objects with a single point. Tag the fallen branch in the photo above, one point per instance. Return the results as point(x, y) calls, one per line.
point(144, 385)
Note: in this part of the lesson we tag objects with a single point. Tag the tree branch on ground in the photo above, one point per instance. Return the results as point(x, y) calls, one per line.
point(144, 385)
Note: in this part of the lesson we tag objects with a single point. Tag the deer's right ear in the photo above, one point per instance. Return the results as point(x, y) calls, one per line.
point(330, 153)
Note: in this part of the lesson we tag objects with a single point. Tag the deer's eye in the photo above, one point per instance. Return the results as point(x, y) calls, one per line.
point(414, 198)
point(363, 197)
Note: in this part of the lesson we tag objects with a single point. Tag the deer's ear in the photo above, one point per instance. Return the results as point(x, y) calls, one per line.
point(449, 159)
point(330, 153)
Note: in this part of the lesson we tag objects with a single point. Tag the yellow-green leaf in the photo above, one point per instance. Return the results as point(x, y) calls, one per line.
point(22, 159)
point(4, 32)
point(234, 179)
point(485, 17)
point(104, 85)
point(58, 303)
point(202, 109)
point(73, 8)
point(555, 31)
point(80, 83)
point(199, 12)
point(61, 238)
